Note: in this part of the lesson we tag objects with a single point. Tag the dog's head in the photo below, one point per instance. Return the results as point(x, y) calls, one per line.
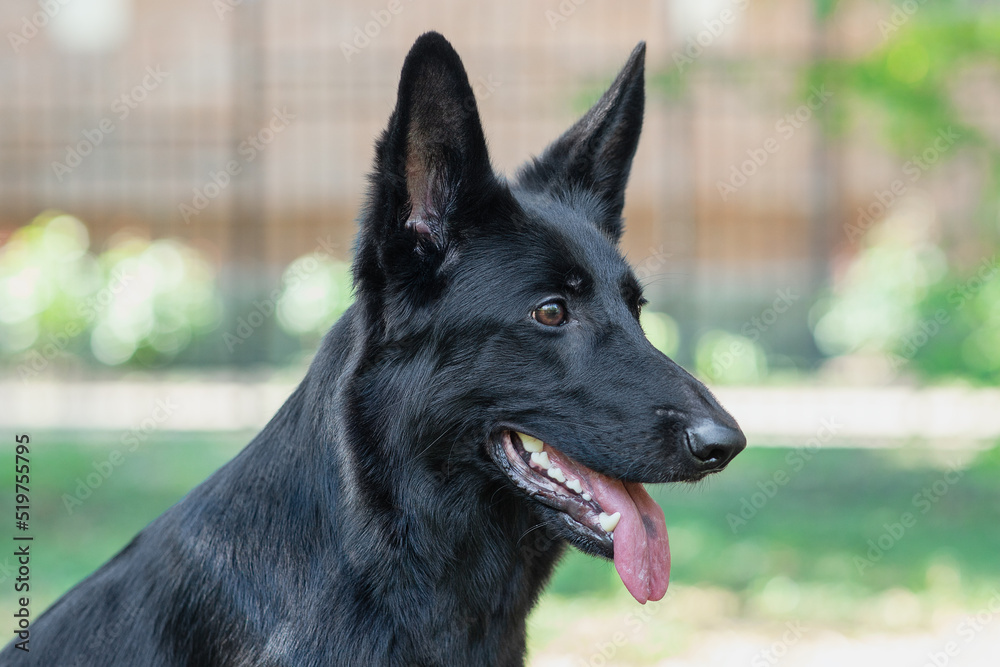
point(506, 320)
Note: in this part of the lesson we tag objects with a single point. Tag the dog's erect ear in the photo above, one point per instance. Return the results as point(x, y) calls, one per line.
point(432, 169)
point(596, 153)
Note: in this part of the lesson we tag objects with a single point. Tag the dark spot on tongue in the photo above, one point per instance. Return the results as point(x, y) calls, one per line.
point(650, 525)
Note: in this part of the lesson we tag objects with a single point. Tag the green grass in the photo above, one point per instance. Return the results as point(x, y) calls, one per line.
point(68, 545)
point(805, 537)
point(812, 527)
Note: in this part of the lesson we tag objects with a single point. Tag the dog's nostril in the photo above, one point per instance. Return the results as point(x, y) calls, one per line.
point(714, 444)
point(713, 454)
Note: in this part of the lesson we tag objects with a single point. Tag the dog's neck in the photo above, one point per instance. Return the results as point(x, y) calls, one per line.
point(465, 563)
point(451, 561)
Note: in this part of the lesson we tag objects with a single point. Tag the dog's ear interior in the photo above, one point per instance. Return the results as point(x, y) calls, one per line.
point(432, 166)
point(595, 154)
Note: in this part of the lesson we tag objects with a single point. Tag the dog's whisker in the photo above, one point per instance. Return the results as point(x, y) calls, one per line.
point(525, 534)
point(432, 443)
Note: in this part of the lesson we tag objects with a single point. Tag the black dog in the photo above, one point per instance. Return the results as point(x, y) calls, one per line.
point(488, 398)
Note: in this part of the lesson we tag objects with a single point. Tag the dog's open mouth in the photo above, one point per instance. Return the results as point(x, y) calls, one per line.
point(619, 519)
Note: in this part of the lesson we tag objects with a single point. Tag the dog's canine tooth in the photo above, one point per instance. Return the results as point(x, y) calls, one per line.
point(531, 444)
point(609, 521)
point(557, 474)
point(574, 485)
point(542, 459)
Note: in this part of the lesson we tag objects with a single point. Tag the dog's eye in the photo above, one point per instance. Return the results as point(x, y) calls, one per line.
point(637, 309)
point(550, 313)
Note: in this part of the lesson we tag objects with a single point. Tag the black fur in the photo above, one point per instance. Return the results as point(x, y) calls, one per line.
point(369, 522)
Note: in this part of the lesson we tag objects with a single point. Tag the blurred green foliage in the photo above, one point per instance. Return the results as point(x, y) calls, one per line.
point(907, 84)
point(662, 331)
point(900, 298)
point(918, 298)
point(139, 300)
point(145, 301)
point(317, 289)
point(727, 358)
point(959, 327)
point(921, 299)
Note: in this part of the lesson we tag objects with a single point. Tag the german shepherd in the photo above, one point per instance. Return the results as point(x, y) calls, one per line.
point(488, 399)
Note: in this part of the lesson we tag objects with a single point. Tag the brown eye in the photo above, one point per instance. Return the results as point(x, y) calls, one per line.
point(550, 313)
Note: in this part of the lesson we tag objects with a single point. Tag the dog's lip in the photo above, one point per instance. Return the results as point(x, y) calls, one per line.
point(582, 516)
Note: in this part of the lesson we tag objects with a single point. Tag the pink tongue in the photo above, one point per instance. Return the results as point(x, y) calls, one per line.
point(642, 550)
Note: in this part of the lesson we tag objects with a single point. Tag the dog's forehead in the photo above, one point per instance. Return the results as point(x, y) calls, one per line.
point(568, 237)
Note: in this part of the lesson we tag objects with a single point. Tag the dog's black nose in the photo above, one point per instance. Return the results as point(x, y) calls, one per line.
point(714, 445)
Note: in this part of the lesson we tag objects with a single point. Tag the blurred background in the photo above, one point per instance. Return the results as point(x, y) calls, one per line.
point(813, 210)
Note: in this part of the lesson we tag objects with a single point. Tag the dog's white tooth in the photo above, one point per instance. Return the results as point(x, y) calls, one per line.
point(531, 444)
point(557, 474)
point(541, 459)
point(574, 485)
point(587, 496)
point(609, 521)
